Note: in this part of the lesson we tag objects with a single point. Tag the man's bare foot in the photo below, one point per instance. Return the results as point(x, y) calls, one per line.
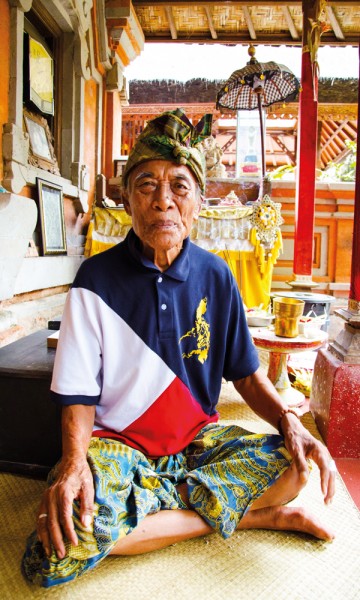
point(286, 518)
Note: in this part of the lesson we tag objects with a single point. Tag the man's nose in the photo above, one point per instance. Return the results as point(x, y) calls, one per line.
point(163, 196)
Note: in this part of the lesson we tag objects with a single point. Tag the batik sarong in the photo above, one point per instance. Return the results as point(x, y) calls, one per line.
point(225, 468)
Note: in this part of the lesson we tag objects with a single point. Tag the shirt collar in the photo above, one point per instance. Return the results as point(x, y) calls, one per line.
point(179, 269)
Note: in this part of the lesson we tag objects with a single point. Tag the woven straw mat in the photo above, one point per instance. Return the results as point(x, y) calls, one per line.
point(251, 564)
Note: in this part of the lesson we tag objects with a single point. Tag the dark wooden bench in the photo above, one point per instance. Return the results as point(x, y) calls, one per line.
point(30, 427)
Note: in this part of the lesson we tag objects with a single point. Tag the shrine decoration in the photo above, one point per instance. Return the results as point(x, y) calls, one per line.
point(265, 234)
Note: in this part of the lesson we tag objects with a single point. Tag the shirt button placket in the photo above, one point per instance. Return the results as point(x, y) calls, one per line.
point(165, 316)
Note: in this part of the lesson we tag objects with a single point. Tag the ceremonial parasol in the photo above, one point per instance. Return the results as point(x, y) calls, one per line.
point(255, 86)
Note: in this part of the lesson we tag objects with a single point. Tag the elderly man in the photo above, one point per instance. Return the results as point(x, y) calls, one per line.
point(149, 330)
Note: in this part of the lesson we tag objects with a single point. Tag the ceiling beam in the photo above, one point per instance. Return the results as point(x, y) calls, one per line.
point(334, 23)
point(290, 23)
point(210, 23)
point(170, 18)
point(262, 39)
point(249, 23)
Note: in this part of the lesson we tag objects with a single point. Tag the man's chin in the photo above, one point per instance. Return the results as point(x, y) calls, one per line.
point(167, 240)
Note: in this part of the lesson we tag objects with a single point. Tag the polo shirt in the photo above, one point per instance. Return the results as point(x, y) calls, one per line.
point(150, 348)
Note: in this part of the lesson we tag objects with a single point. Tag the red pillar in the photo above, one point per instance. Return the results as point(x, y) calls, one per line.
point(334, 400)
point(354, 298)
point(306, 163)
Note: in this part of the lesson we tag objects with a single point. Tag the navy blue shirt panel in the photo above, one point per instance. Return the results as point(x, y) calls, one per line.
point(191, 315)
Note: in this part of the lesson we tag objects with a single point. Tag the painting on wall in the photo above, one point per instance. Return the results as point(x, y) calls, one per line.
point(38, 75)
point(51, 207)
point(41, 150)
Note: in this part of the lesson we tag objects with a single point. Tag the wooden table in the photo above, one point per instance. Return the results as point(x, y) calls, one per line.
point(279, 349)
point(30, 433)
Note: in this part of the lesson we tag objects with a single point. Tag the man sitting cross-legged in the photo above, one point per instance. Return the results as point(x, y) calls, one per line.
point(149, 330)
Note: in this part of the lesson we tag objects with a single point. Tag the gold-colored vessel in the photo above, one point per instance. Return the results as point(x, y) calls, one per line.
point(287, 313)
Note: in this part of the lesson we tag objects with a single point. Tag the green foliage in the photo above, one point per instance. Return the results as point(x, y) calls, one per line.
point(282, 172)
point(344, 171)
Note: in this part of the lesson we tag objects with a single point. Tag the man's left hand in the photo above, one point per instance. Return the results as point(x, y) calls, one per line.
point(302, 446)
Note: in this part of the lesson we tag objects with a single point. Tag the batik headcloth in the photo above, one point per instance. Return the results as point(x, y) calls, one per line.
point(171, 136)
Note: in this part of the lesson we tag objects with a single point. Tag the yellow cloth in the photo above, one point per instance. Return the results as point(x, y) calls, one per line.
point(112, 221)
point(254, 286)
point(106, 223)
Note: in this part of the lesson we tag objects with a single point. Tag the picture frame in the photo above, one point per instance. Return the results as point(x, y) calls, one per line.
point(119, 164)
point(51, 209)
point(38, 74)
point(41, 150)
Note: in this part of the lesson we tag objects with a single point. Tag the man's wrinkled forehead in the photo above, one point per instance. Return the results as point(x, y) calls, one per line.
point(161, 170)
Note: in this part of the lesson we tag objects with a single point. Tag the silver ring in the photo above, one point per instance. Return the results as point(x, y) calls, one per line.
point(332, 466)
point(42, 516)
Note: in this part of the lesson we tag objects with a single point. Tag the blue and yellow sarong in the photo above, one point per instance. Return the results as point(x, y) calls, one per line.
point(225, 468)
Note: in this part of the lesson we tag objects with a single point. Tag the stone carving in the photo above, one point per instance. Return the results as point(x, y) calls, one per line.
point(104, 50)
point(15, 153)
point(79, 12)
point(213, 155)
point(23, 5)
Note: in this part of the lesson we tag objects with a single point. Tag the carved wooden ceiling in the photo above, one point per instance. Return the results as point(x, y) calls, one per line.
point(244, 22)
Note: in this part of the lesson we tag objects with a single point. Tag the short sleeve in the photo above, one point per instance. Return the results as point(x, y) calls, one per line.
point(78, 361)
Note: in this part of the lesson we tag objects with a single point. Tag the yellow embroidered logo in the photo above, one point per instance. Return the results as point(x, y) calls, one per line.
point(201, 332)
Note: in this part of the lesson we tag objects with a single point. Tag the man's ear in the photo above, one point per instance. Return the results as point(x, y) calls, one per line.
point(125, 199)
point(197, 208)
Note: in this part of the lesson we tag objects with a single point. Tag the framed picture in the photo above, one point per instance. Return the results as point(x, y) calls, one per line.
point(51, 206)
point(41, 151)
point(38, 74)
point(119, 164)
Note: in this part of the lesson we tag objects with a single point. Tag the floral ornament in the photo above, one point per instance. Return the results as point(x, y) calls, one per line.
point(266, 219)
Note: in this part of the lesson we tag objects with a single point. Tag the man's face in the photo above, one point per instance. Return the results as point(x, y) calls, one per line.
point(163, 199)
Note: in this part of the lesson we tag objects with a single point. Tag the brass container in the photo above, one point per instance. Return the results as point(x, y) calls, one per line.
point(287, 313)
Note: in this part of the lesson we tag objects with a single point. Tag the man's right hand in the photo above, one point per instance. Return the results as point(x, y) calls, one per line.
point(73, 481)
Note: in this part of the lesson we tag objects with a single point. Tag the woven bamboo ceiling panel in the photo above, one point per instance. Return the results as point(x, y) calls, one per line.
point(262, 22)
